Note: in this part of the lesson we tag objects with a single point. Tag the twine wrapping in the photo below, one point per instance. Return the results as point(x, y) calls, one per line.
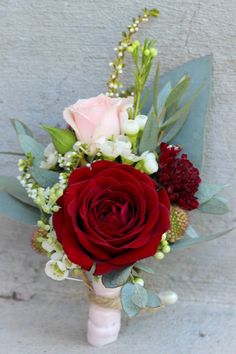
point(107, 302)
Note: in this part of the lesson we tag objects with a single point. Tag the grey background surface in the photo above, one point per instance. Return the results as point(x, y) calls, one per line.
point(53, 52)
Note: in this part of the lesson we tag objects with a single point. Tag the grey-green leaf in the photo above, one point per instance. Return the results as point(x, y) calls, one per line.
point(140, 296)
point(188, 242)
point(173, 131)
point(13, 187)
point(116, 278)
point(178, 91)
point(144, 267)
point(182, 112)
point(14, 209)
point(21, 128)
point(126, 294)
point(207, 191)
point(191, 136)
point(163, 95)
point(43, 177)
point(148, 141)
point(153, 300)
point(216, 205)
point(30, 145)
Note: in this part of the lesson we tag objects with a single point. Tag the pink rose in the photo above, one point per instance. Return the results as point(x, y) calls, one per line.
point(97, 117)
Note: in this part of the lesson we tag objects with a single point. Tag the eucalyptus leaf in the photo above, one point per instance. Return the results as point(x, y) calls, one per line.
point(14, 209)
point(144, 267)
point(116, 278)
point(153, 300)
point(13, 187)
point(216, 205)
point(191, 134)
point(126, 294)
point(62, 139)
point(21, 128)
point(191, 232)
point(182, 112)
point(163, 95)
point(140, 296)
point(30, 145)
point(148, 141)
point(207, 191)
point(155, 90)
point(178, 91)
point(171, 133)
point(188, 242)
point(11, 153)
point(43, 177)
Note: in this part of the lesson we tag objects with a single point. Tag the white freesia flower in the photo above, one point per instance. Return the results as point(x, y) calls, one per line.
point(56, 270)
point(141, 120)
point(150, 163)
point(131, 127)
point(51, 157)
point(57, 256)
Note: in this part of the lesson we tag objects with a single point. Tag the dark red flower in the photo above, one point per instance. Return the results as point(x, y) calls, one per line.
point(111, 214)
point(178, 176)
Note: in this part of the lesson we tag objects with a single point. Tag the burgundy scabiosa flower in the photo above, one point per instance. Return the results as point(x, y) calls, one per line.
point(178, 176)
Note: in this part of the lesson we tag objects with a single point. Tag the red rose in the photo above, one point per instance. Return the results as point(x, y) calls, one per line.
point(111, 214)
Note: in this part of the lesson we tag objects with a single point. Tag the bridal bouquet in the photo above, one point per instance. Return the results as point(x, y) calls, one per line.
point(119, 182)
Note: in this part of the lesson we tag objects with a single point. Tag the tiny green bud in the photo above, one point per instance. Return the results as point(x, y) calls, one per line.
point(136, 43)
point(164, 243)
point(139, 281)
point(153, 52)
point(159, 255)
point(166, 249)
point(146, 52)
point(130, 49)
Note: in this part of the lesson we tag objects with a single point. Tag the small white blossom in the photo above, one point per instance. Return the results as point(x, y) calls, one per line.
point(150, 163)
point(130, 127)
point(141, 120)
point(56, 270)
point(51, 157)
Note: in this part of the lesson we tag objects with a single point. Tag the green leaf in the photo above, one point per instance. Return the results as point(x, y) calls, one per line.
point(126, 294)
point(153, 300)
point(148, 141)
point(14, 209)
point(163, 95)
point(216, 205)
point(188, 242)
point(207, 191)
point(43, 177)
point(30, 145)
point(155, 90)
point(140, 296)
point(144, 267)
point(62, 139)
point(182, 112)
point(178, 91)
point(191, 136)
point(13, 187)
point(116, 278)
point(175, 129)
point(21, 128)
point(11, 153)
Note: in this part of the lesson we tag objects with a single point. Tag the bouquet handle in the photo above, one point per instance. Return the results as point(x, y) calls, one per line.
point(104, 315)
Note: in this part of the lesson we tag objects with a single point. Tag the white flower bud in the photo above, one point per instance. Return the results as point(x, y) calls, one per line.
point(56, 270)
point(131, 127)
point(141, 120)
point(150, 163)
